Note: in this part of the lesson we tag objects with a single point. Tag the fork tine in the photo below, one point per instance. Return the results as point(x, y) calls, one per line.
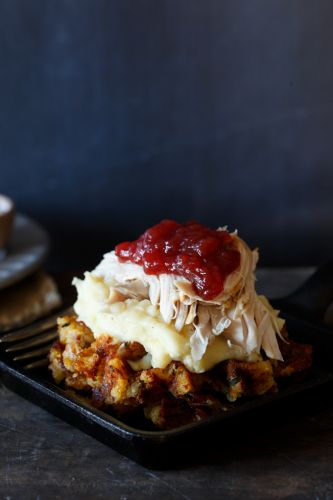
point(28, 332)
point(36, 364)
point(34, 353)
point(34, 335)
point(41, 339)
point(40, 326)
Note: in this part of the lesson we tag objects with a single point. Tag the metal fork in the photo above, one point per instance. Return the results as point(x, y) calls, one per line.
point(33, 341)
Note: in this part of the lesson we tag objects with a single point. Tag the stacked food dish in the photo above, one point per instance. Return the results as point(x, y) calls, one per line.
point(170, 326)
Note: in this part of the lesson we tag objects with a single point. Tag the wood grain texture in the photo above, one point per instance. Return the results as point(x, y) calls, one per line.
point(43, 457)
point(287, 453)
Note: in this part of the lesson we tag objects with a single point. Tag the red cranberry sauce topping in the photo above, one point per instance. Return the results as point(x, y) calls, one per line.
point(203, 256)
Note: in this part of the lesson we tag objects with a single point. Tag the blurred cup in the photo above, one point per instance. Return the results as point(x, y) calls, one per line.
point(7, 212)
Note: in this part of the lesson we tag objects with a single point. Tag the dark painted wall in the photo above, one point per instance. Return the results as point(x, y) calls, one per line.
point(115, 114)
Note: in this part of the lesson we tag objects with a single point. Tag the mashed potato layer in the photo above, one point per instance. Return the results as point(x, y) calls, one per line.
point(132, 320)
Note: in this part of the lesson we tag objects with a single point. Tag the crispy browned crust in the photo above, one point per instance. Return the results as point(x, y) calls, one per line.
point(171, 396)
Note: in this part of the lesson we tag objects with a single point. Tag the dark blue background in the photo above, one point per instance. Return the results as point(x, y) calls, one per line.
point(115, 114)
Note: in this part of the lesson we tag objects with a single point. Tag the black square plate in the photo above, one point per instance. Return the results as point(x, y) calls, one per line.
point(154, 448)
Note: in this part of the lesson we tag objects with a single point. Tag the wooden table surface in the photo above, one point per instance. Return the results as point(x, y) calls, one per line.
point(290, 456)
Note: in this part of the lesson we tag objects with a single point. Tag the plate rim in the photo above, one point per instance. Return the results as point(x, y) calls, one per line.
point(41, 238)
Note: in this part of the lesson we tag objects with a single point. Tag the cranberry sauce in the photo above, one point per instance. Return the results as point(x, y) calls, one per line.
point(203, 256)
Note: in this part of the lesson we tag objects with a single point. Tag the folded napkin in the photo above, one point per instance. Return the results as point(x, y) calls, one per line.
point(28, 300)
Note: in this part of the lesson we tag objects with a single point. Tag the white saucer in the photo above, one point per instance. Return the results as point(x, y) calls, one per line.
point(27, 248)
